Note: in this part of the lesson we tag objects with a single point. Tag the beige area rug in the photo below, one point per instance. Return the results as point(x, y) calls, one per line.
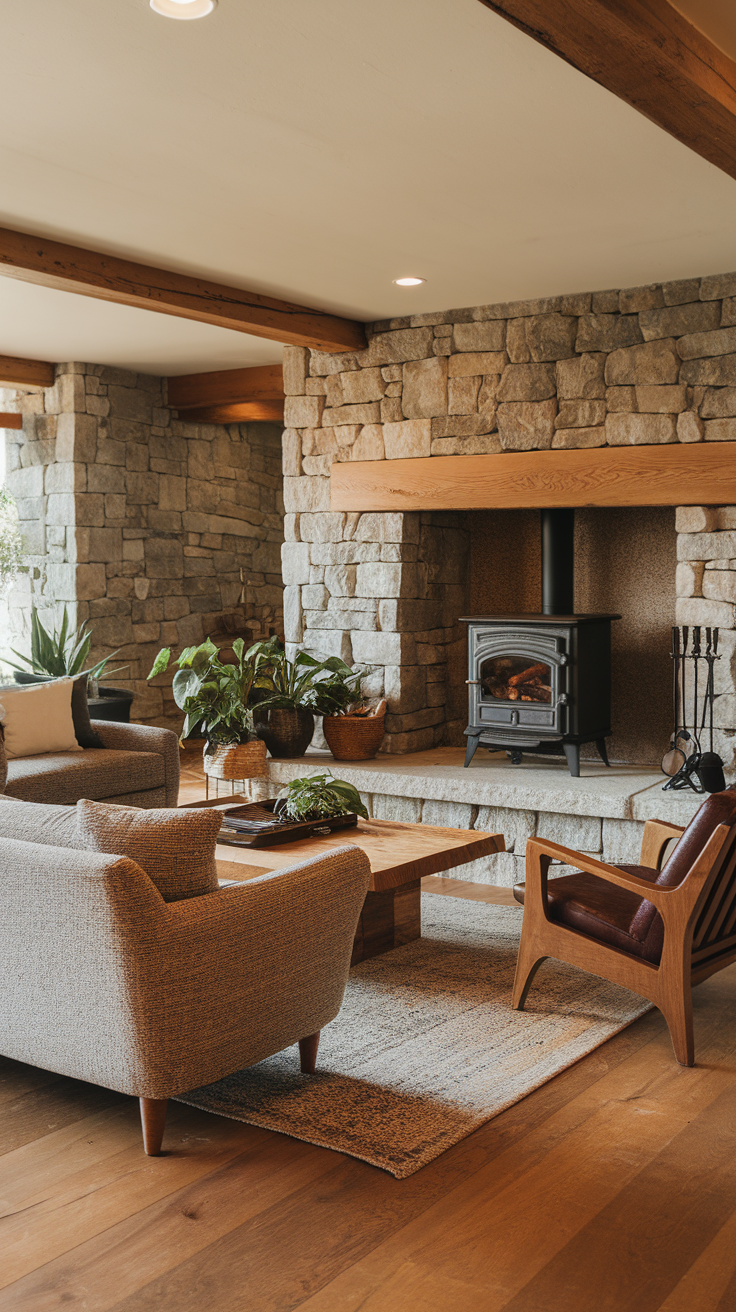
point(426, 1047)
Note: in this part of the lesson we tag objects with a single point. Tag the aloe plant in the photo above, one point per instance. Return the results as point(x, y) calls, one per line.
point(63, 651)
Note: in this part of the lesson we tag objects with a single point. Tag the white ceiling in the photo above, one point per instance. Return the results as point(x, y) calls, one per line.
point(317, 151)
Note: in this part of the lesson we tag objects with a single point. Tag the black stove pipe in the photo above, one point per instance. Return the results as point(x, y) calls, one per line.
point(558, 562)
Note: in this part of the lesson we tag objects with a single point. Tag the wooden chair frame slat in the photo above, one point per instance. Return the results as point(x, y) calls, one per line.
point(718, 904)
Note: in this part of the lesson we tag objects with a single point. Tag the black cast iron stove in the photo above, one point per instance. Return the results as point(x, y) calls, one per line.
point(541, 683)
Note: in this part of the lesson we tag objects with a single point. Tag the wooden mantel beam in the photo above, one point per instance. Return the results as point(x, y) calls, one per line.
point(229, 396)
point(15, 372)
point(676, 474)
point(242, 412)
point(109, 278)
point(263, 382)
point(649, 55)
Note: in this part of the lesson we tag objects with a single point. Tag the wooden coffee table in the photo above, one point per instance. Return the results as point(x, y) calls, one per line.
point(399, 854)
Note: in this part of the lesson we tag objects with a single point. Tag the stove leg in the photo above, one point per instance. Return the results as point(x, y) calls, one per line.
point(471, 749)
point(572, 754)
point(601, 745)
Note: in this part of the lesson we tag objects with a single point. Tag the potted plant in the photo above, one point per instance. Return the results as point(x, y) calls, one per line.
point(319, 797)
point(287, 694)
point(63, 653)
point(356, 733)
point(214, 698)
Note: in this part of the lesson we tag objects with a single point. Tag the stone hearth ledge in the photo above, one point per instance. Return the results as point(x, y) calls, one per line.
point(602, 813)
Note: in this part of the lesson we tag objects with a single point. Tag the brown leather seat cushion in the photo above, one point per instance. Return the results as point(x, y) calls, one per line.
point(603, 911)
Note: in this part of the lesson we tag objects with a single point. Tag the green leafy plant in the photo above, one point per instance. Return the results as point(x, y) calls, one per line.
point(63, 651)
point(326, 687)
point(11, 541)
point(319, 797)
point(213, 695)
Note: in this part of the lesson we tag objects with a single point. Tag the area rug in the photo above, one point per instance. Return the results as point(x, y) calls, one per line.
point(426, 1047)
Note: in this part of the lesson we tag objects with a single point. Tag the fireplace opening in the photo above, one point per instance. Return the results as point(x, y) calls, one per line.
point(490, 562)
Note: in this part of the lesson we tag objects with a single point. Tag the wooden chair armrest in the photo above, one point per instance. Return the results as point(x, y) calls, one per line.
point(634, 883)
point(657, 834)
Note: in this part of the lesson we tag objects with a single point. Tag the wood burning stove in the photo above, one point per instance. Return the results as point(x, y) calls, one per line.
point(541, 683)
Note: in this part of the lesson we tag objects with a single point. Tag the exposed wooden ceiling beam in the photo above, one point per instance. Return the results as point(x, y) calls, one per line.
point(26, 373)
point(680, 474)
point(109, 278)
point(10, 420)
point(242, 413)
point(646, 53)
point(227, 387)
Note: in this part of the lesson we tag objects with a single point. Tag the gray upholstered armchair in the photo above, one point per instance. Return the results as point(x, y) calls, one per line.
point(138, 765)
point(104, 981)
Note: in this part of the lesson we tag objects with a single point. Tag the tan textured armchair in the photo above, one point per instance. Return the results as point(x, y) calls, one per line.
point(104, 981)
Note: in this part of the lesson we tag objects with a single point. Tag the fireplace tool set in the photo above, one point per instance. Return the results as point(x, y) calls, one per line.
point(685, 762)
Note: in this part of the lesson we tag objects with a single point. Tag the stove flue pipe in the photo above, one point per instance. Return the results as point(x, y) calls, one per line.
point(558, 562)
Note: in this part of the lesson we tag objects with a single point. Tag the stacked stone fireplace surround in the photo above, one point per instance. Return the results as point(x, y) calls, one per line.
point(646, 365)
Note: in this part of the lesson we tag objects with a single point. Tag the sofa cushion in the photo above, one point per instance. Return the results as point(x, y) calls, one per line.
point(33, 822)
point(602, 911)
point(37, 718)
point(96, 772)
point(175, 848)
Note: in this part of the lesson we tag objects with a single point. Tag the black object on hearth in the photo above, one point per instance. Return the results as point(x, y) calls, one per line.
point(686, 763)
point(539, 683)
point(542, 683)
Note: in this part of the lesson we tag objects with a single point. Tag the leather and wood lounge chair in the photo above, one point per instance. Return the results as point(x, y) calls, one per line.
point(656, 929)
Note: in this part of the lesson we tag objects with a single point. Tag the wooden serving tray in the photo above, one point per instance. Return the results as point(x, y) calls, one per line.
point(288, 832)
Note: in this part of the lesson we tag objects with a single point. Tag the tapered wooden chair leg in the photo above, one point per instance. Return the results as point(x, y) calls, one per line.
point(308, 1053)
point(526, 969)
point(153, 1120)
point(679, 1019)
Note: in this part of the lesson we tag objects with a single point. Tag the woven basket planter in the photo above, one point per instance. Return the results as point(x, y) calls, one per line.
point(353, 737)
point(237, 761)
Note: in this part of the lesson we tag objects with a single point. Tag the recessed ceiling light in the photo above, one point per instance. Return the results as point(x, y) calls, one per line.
point(184, 8)
point(400, 282)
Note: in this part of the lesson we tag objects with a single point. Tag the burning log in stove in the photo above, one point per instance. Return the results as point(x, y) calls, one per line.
point(526, 685)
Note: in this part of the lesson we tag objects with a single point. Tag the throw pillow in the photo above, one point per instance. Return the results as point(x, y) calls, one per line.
point(175, 848)
point(85, 734)
point(3, 763)
point(37, 718)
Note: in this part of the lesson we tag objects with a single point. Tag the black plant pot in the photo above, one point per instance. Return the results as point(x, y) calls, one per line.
point(286, 733)
point(112, 704)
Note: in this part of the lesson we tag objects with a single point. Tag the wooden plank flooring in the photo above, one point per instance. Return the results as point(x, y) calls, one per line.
point(613, 1187)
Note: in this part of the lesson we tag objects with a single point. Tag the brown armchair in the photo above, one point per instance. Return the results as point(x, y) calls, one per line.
point(656, 929)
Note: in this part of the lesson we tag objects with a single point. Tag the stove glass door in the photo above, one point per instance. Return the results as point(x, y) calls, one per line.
point(516, 679)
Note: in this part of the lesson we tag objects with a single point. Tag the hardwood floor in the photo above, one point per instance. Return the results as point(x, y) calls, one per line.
point(610, 1189)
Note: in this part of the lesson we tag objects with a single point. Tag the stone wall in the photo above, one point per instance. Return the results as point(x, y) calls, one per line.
point(652, 364)
point(141, 523)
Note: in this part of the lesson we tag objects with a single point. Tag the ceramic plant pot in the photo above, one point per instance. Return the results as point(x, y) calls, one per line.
point(286, 733)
